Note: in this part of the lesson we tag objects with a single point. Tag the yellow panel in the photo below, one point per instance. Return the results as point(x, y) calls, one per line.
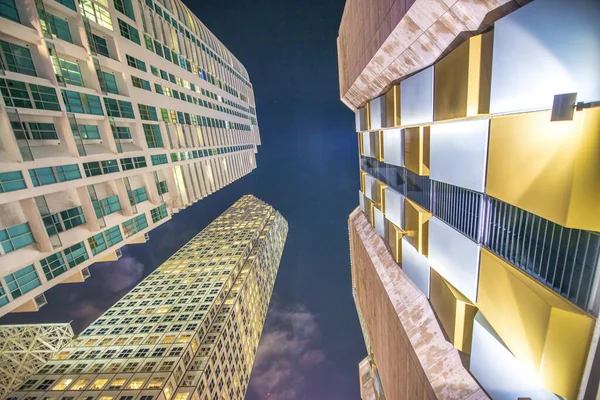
point(380, 190)
point(379, 141)
point(543, 330)
point(463, 79)
point(455, 312)
point(416, 149)
point(362, 181)
point(392, 107)
point(395, 241)
point(532, 160)
point(368, 116)
point(361, 148)
point(417, 226)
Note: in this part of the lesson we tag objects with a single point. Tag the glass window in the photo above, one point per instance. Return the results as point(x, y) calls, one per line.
point(106, 206)
point(34, 130)
point(55, 26)
point(44, 97)
point(10, 181)
point(87, 131)
point(159, 213)
point(82, 103)
point(135, 225)
point(22, 281)
point(159, 159)
point(42, 176)
point(76, 254)
point(15, 237)
point(8, 10)
point(135, 63)
point(118, 108)
point(68, 172)
point(138, 195)
point(15, 93)
point(110, 166)
point(18, 58)
point(97, 13)
point(101, 45)
point(147, 112)
point(70, 72)
point(68, 3)
point(121, 132)
point(162, 187)
point(110, 83)
point(148, 42)
point(72, 218)
point(53, 265)
point(125, 7)
point(140, 83)
point(129, 32)
point(153, 136)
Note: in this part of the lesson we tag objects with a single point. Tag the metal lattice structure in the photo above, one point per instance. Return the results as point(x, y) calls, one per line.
point(25, 348)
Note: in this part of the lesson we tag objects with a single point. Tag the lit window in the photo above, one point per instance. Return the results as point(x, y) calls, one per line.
point(136, 383)
point(156, 383)
point(98, 384)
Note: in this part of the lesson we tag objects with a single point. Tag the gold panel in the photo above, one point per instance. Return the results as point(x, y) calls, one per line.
point(380, 188)
point(392, 107)
point(455, 312)
point(369, 211)
point(379, 147)
point(532, 160)
point(416, 149)
point(417, 225)
point(363, 174)
point(368, 115)
point(361, 145)
point(462, 80)
point(548, 334)
point(395, 235)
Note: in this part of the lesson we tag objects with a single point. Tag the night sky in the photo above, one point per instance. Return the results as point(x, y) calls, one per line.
point(307, 169)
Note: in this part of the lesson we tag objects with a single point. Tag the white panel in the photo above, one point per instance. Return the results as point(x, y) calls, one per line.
point(379, 222)
point(455, 257)
point(394, 207)
point(416, 267)
point(376, 112)
point(361, 200)
point(370, 189)
point(416, 97)
point(357, 120)
point(545, 48)
point(393, 147)
point(497, 370)
point(368, 149)
point(459, 153)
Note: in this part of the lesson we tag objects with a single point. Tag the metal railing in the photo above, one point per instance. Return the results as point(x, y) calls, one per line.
point(458, 207)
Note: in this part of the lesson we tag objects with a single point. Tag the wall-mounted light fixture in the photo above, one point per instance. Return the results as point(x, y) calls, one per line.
point(565, 105)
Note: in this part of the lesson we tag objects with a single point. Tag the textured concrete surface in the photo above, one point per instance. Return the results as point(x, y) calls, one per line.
point(413, 356)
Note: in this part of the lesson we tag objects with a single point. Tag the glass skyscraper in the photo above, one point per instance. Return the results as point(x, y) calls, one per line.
point(190, 330)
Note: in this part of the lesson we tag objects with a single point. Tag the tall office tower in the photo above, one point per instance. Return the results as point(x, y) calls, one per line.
point(114, 114)
point(475, 250)
point(25, 348)
point(190, 330)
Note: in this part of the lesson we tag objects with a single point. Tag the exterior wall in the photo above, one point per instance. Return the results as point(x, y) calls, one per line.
point(398, 318)
point(190, 330)
point(492, 210)
point(207, 140)
point(25, 348)
point(381, 42)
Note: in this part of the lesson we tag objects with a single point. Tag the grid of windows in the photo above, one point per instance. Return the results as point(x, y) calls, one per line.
point(125, 7)
point(11, 181)
point(55, 26)
point(28, 95)
point(82, 103)
point(8, 10)
point(121, 132)
point(22, 281)
point(100, 45)
point(136, 63)
point(59, 263)
point(71, 74)
point(50, 175)
point(18, 58)
point(133, 163)
point(106, 206)
point(102, 241)
point(153, 136)
point(159, 213)
point(134, 225)
point(16, 237)
point(118, 108)
point(129, 32)
point(147, 113)
point(34, 130)
point(86, 131)
point(109, 83)
point(162, 187)
point(63, 221)
point(158, 159)
point(97, 13)
point(140, 83)
point(138, 195)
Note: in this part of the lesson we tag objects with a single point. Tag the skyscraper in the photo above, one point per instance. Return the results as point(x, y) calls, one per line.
point(25, 348)
point(190, 330)
point(113, 116)
point(475, 248)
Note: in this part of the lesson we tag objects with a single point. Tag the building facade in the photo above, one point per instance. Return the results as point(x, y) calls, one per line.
point(114, 114)
point(475, 248)
point(25, 348)
point(190, 330)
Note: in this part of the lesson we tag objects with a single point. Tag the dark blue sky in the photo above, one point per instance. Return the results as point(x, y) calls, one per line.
point(307, 169)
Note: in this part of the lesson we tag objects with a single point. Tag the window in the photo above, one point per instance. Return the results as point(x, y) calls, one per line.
point(138, 195)
point(158, 89)
point(121, 132)
point(86, 131)
point(76, 254)
point(147, 113)
point(153, 136)
point(132, 163)
point(162, 186)
point(136, 63)
point(118, 108)
point(11, 181)
point(22, 281)
point(148, 43)
point(53, 265)
point(82, 103)
point(18, 58)
point(124, 7)
point(159, 213)
point(34, 130)
point(97, 13)
point(129, 32)
point(140, 83)
point(50, 175)
point(110, 82)
point(109, 166)
point(100, 45)
point(15, 95)
point(159, 159)
point(15, 237)
point(44, 97)
point(55, 26)
point(98, 384)
point(102, 241)
point(135, 225)
point(8, 10)
point(106, 206)
point(99, 168)
point(71, 74)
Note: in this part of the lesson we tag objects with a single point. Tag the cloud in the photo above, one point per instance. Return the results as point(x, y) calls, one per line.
point(288, 349)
